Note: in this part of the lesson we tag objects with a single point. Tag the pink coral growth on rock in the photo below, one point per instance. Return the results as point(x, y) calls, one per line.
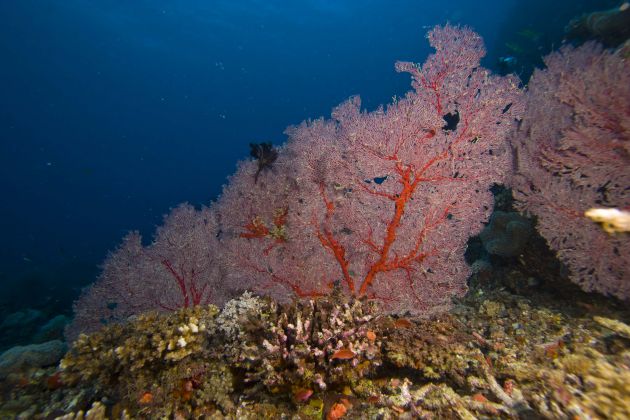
point(380, 202)
point(573, 154)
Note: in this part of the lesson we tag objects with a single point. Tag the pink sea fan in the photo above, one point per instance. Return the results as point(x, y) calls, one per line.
point(573, 153)
point(178, 269)
point(381, 203)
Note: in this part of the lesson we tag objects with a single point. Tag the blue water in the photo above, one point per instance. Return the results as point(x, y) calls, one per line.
point(111, 112)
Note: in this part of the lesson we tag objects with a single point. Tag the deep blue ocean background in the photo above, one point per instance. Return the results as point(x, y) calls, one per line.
point(112, 112)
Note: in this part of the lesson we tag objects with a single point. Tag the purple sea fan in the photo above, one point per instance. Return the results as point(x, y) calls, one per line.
point(573, 154)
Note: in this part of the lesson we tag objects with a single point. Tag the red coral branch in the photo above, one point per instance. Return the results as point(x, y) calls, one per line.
point(179, 279)
point(328, 241)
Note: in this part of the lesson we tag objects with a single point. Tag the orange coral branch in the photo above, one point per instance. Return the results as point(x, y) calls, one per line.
point(327, 239)
point(255, 229)
point(382, 264)
point(385, 262)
